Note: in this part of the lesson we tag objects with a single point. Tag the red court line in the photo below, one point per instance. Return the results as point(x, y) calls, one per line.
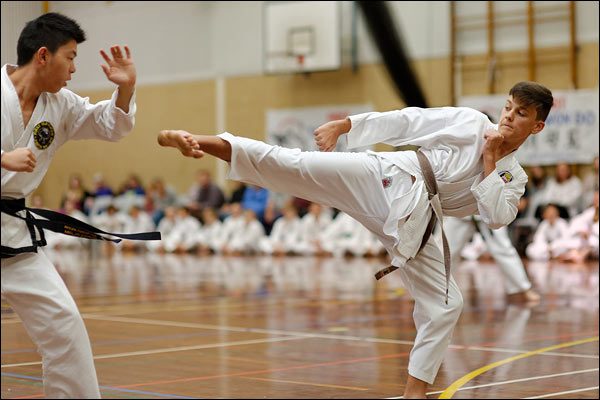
point(264, 371)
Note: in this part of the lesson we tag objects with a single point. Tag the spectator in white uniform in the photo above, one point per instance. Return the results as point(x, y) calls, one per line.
point(245, 240)
point(311, 226)
point(285, 234)
point(551, 230)
point(137, 220)
point(210, 233)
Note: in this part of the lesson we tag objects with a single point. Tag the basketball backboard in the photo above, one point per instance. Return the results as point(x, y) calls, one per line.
point(301, 36)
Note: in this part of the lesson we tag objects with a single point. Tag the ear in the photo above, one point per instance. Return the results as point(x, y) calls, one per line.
point(539, 125)
point(42, 55)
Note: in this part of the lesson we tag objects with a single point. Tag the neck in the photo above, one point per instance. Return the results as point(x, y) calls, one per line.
point(24, 81)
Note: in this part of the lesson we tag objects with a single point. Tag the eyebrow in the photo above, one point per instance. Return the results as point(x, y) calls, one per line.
point(517, 105)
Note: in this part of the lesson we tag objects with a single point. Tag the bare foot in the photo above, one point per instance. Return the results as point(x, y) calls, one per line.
point(529, 296)
point(182, 140)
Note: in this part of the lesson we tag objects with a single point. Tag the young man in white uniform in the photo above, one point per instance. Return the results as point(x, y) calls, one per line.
point(38, 116)
point(392, 193)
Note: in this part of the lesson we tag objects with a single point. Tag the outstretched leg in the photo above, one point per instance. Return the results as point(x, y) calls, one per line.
point(350, 182)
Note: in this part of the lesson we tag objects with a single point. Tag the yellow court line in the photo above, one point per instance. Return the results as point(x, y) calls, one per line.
point(450, 390)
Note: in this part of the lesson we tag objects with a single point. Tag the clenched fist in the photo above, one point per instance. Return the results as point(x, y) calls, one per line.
point(326, 136)
point(493, 144)
point(19, 160)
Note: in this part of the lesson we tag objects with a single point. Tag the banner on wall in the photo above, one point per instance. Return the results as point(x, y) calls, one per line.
point(571, 132)
point(294, 127)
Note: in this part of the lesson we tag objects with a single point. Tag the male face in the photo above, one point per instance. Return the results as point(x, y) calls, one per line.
point(57, 68)
point(518, 121)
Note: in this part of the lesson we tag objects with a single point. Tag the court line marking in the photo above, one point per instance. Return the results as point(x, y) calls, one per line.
point(561, 393)
point(531, 378)
point(311, 335)
point(450, 390)
point(171, 349)
point(271, 370)
point(306, 383)
point(295, 336)
point(109, 388)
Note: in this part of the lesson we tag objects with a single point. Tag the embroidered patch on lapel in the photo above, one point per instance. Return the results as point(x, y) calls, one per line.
point(43, 135)
point(506, 176)
point(387, 182)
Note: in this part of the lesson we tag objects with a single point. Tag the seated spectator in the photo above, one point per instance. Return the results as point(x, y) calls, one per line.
point(210, 232)
point(231, 224)
point(133, 185)
point(581, 240)
point(549, 233)
point(256, 199)
point(109, 221)
point(245, 240)
point(56, 240)
point(347, 236)
point(285, 234)
point(564, 190)
point(159, 197)
point(184, 235)
point(204, 193)
point(165, 227)
point(312, 225)
point(100, 196)
point(137, 220)
point(590, 185)
point(76, 193)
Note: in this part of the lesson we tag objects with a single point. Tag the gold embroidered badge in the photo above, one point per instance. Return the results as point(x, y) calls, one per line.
point(43, 135)
point(506, 176)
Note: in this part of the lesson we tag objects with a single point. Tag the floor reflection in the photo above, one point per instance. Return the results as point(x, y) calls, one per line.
point(88, 274)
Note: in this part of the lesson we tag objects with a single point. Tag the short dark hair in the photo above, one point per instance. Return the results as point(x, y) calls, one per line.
point(50, 30)
point(528, 93)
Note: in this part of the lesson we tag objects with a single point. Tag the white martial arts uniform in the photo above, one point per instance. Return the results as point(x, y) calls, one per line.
point(347, 235)
point(284, 236)
point(310, 228)
point(377, 190)
point(30, 283)
point(499, 245)
point(540, 249)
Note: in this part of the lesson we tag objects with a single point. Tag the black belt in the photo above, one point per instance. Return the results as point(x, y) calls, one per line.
point(60, 223)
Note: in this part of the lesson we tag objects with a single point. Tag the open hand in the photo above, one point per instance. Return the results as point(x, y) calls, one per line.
point(119, 70)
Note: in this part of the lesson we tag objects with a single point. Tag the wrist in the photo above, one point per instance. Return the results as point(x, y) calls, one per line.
point(345, 126)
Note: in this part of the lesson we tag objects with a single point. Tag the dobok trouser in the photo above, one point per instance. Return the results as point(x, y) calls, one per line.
point(37, 293)
point(499, 246)
point(352, 182)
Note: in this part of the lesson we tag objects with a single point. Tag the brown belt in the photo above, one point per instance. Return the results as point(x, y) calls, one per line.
point(436, 214)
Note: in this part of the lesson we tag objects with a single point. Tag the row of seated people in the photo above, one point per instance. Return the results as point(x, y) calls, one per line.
point(555, 238)
point(240, 233)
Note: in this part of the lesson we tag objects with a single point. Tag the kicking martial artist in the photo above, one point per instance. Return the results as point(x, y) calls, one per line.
point(38, 116)
point(465, 166)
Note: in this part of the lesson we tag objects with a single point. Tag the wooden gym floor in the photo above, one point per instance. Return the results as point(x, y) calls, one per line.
point(172, 326)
